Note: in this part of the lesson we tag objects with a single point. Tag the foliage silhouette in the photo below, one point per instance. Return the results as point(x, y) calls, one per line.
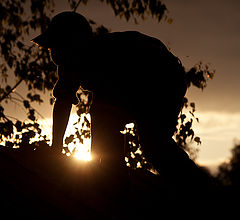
point(228, 172)
point(132, 9)
point(228, 179)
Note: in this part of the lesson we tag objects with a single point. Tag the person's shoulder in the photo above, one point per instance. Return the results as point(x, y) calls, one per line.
point(125, 35)
point(140, 39)
point(131, 39)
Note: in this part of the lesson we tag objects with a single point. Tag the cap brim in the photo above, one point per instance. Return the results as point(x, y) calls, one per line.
point(43, 40)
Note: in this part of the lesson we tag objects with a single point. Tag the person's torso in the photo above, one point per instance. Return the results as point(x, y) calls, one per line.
point(124, 68)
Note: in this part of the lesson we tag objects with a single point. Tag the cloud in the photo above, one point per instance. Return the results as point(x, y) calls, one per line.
point(218, 125)
point(217, 130)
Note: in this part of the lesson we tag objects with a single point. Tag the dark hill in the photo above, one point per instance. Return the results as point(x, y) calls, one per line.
point(38, 184)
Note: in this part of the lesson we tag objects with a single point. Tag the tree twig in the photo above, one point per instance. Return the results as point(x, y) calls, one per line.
point(13, 98)
point(76, 6)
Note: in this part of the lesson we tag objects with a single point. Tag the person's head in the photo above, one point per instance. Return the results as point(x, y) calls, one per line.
point(66, 29)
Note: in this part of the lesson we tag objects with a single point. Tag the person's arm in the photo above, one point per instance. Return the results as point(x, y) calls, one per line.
point(61, 113)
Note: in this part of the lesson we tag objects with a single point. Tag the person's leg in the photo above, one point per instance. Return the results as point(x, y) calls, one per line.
point(61, 113)
point(107, 141)
point(180, 173)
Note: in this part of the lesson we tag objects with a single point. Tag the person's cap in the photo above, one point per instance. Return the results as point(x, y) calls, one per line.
point(62, 25)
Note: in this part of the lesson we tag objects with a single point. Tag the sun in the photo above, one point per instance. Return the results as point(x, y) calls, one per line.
point(81, 151)
point(83, 157)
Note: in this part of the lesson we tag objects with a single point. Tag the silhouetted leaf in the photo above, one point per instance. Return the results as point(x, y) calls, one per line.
point(69, 139)
point(31, 115)
point(198, 140)
point(18, 126)
point(26, 104)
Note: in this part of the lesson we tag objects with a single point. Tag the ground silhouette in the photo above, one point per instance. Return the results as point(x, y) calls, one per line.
point(39, 183)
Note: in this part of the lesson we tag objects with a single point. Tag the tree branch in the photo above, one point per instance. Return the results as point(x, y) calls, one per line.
point(11, 90)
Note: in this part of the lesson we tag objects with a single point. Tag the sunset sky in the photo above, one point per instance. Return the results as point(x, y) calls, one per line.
point(206, 31)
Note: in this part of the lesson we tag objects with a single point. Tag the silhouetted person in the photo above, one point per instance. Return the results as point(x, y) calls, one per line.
point(133, 77)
